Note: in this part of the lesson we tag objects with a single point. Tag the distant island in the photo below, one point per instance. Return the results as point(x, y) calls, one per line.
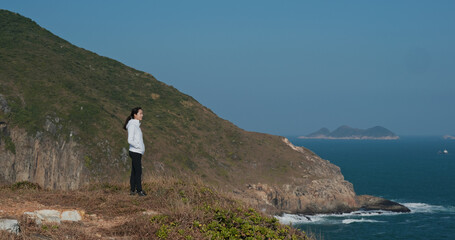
point(346, 132)
point(449, 137)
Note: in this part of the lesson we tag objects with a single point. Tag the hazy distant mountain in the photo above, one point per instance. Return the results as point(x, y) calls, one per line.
point(320, 133)
point(346, 132)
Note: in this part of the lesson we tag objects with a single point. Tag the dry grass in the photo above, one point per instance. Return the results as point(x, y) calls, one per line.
point(176, 210)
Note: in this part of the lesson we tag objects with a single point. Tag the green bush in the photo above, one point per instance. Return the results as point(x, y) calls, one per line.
point(242, 224)
point(25, 185)
point(163, 231)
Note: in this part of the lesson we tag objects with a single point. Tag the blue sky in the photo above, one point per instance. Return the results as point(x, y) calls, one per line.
point(281, 67)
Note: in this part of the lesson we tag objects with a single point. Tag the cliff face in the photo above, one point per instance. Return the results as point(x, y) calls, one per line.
point(322, 188)
point(53, 164)
point(324, 196)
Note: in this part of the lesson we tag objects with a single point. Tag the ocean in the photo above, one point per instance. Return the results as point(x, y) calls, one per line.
point(410, 171)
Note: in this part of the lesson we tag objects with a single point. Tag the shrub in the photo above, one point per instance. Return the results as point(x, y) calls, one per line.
point(25, 185)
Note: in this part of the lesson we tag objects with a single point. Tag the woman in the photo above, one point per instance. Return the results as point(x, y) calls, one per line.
point(137, 149)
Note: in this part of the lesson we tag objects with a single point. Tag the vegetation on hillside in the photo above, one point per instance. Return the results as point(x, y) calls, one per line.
point(176, 210)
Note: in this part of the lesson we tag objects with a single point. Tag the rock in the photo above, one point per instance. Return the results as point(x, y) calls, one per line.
point(33, 216)
point(50, 126)
point(4, 104)
point(54, 216)
point(367, 202)
point(50, 216)
point(321, 196)
point(72, 216)
point(124, 156)
point(10, 225)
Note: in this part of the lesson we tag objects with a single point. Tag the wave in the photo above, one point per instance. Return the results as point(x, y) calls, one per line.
point(349, 221)
point(345, 218)
point(428, 208)
point(293, 218)
point(360, 216)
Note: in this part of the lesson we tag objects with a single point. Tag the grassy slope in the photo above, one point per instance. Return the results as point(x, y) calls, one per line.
point(45, 78)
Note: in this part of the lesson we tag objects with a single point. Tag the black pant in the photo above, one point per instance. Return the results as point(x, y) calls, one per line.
point(136, 172)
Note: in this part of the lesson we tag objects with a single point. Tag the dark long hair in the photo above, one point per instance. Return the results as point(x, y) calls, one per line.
point(131, 116)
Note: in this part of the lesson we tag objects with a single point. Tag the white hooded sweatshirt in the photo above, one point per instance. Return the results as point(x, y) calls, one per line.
point(135, 136)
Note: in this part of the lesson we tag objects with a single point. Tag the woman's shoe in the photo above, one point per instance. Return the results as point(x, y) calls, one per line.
point(133, 192)
point(142, 193)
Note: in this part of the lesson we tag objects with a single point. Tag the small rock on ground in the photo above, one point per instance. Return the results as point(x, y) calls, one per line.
point(10, 225)
point(54, 216)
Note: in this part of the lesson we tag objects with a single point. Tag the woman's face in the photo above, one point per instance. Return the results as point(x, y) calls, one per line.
point(139, 115)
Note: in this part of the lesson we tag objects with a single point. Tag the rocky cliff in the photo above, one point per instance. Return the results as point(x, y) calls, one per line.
point(321, 190)
point(52, 163)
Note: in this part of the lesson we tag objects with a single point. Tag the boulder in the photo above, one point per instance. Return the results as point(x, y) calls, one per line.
point(367, 202)
point(73, 216)
point(54, 216)
point(49, 216)
point(10, 225)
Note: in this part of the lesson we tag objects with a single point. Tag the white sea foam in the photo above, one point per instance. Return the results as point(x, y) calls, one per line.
point(370, 213)
point(349, 221)
point(331, 218)
point(428, 208)
point(292, 218)
point(360, 216)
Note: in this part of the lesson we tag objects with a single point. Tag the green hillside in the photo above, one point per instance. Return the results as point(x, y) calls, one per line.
point(55, 88)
